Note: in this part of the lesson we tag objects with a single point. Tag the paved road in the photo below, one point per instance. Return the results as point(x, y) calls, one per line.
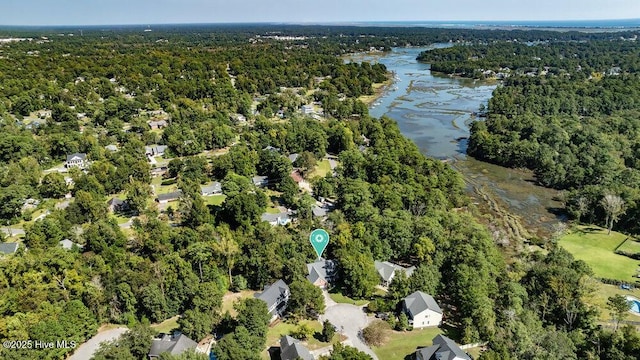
point(349, 319)
point(12, 231)
point(86, 350)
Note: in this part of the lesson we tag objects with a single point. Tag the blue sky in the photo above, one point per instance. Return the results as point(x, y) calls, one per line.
point(101, 12)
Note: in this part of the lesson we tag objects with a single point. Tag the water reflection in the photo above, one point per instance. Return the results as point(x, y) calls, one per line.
point(434, 110)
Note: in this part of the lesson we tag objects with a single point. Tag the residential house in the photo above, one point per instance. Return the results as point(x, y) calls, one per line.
point(78, 160)
point(260, 181)
point(296, 175)
point(422, 310)
point(159, 171)
point(212, 189)
point(322, 273)
point(387, 271)
point(281, 219)
point(112, 148)
point(239, 119)
point(271, 148)
point(307, 109)
point(293, 157)
point(157, 124)
point(276, 297)
point(8, 248)
point(155, 150)
point(116, 205)
point(443, 349)
point(68, 244)
point(168, 197)
point(174, 344)
point(292, 349)
point(320, 211)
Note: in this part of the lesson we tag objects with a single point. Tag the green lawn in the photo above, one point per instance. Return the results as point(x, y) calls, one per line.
point(596, 248)
point(321, 170)
point(602, 292)
point(631, 246)
point(167, 326)
point(285, 328)
point(342, 299)
point(214, 199)
point(401, 344)
point(272, 210)
point(230, 298)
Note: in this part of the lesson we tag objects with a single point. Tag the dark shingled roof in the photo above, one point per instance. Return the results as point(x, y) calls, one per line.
point(419, 302)
point(272, 293)
point(291, 349)
point(9, 248)
point(443, 349)
point(169, 196)
point(174, 344)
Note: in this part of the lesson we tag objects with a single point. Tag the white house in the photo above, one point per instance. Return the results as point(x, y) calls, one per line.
point(214, 188)
point(76, 160)
point(281, 219)
point(422, 310)
point(307, 109)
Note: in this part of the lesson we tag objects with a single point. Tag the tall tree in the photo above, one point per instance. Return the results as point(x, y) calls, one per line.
point(226, 248)
point(613, 206)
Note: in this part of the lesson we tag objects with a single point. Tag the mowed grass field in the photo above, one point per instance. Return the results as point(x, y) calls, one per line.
point(592, 245)
point(401, 344)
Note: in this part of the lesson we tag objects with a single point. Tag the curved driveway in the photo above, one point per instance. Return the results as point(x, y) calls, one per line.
point(349, 320)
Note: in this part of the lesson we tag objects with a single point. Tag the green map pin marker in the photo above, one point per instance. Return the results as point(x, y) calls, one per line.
point(319, 238)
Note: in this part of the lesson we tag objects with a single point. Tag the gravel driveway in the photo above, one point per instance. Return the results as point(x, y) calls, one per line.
point(349, 320)
point(86, 350)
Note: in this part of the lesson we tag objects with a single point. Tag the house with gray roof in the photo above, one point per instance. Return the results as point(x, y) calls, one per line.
point(211, 189)
point(322, 273)
point(174, 344)
point(281, 219)
point(293, 157)
point(388, 271)
point(292, 349)
point(155, 150)
point(443, 349)
point(260, 181)
point(112, 147)
point(422, 310)
point(78, 160)
point(68, 244)
point(168, 197)
point(8, 248)
point(276, 297)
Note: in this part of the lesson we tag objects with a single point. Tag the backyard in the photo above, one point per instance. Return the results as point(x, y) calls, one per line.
point(592, 245)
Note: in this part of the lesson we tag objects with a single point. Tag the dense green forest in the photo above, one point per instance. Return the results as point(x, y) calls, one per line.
point(568, 111)
point(391, 202)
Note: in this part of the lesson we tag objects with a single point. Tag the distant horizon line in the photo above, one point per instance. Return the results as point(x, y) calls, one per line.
point(416, 23)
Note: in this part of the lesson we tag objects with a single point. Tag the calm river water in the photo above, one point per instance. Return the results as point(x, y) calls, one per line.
point(434, 111)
